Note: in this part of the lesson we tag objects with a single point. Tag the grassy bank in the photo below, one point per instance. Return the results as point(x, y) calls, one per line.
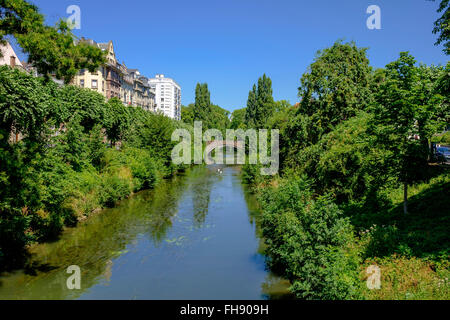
point(325, 250)
point(357, 186)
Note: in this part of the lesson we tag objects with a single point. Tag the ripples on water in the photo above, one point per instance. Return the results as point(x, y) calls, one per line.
point(193, 237)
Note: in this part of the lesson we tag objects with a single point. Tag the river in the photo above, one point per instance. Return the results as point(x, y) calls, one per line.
point(195, 236)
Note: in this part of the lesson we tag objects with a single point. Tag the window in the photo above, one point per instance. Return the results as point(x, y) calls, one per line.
point(82, 83)
point(94, 84)
point(162, 99)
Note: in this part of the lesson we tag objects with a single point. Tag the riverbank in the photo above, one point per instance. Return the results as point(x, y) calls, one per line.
point(195, 236)
point(67, 165)
point(410, 251)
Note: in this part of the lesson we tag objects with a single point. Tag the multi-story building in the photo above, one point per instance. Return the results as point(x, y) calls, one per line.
point(107, 79)
point(148, 95)
point(127, 87)
point(9, 57)
point(167, 96)
point(143, 96)
point(112, 71)
point(92, 80)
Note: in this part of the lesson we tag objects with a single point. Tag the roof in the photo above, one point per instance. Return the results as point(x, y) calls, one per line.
point(103, 46)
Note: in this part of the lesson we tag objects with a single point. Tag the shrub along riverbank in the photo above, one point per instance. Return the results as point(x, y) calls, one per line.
point(69, 162)
point(357, 185)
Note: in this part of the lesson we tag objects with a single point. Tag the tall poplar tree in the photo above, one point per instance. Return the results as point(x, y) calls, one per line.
point(251, 107)
point(202, 106)
point(260, 103)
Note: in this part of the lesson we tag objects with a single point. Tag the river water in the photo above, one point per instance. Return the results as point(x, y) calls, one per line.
point(195, 236)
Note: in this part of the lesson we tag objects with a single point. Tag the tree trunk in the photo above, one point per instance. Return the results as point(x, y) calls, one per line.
point(405, 199)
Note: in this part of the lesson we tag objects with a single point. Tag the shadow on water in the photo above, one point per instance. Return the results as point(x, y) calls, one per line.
point(94, 243)
point(187, 238)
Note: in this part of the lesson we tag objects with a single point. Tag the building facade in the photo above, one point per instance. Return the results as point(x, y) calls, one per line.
point(127, 87)
point(167, 96)
point(91, 80)
point(112, 72)
point(9, 57)
point(107, 80)
point(144, 97)
point(116, 80)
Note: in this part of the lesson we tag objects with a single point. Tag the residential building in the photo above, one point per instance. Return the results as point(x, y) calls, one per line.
point(113, 72)
point(127, 87)
point(167, 96)
point(148, 95)
point(116, 80)
point(9, 57)
point(106, 80)
point(144, 97)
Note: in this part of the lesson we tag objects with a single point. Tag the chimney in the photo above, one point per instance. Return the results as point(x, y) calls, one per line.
point(12, 61)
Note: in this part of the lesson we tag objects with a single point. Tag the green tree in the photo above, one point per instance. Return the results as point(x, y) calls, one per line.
point(442, 88)
point(202, 106)
point(309, 242)
point(260, 103)
point(50, 49)
point(23, 104)
point(336, 86)
point(398, 122)
point(264, 101)
point(117, 120)
point(88, 104)
point(238, 119)
point(250, 111)
point(220, 118)
point(187, 114)
point(442, 26)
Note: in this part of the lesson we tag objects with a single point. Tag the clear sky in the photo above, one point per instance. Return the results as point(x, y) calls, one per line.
point(229, 44)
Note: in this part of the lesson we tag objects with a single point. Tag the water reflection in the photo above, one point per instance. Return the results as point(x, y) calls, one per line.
point(190, 238)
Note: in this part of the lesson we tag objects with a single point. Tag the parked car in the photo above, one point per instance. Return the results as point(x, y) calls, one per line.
point(443, 154)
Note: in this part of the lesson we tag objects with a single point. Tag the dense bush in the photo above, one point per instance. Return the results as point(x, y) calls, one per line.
point(309, 242)
point(143, 167)
point(67, 163)
point(115, 186)
point(360, 140)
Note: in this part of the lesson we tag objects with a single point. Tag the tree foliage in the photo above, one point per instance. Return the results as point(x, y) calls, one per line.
point(202, 106)
point(50, 49)
point(442, 26)
point(238, 119)
point(309, 241)
point(260, 104)
point(335, 87)
point(63, 168)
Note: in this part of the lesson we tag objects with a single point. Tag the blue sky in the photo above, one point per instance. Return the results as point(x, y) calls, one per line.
point(229, 44)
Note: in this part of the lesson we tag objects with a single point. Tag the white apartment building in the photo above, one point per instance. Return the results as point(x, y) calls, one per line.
point(167, 96)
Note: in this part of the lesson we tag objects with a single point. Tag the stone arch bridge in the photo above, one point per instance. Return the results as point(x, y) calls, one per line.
point(212, 145)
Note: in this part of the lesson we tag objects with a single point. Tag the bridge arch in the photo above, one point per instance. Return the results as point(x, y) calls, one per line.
point(212, 145)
